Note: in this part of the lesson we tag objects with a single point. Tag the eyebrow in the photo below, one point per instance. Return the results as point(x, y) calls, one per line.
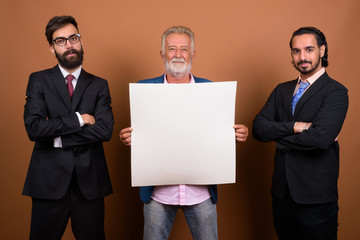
point(305, 48)
point(180, 46)
point(66, 37)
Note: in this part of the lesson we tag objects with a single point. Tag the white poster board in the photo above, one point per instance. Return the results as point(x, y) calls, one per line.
point(182, 133)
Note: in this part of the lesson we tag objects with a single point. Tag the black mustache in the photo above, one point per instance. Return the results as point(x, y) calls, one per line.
point(304, 62)
point(71, 51)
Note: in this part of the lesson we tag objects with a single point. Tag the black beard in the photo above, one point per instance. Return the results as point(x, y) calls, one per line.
point(72, 62)
point(297, 66)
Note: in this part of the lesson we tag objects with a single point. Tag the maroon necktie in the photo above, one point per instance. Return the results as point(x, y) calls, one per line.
point(70, 87)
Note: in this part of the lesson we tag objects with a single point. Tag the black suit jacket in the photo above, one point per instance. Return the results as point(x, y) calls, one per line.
point(308, 162)
point(50, 113)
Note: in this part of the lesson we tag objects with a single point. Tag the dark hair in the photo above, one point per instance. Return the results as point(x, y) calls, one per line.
point(320, 39)
point(58, 22)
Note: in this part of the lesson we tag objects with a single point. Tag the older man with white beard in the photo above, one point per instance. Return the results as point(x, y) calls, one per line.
point(162, 202)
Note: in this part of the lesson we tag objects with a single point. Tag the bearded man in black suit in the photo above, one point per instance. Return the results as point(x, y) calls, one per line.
point(68, 115)
point(304, 117)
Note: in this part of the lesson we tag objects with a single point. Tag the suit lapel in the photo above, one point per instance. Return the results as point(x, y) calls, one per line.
point(59, 82)
point(288, 94)
point(313, 89)
point(82, 83)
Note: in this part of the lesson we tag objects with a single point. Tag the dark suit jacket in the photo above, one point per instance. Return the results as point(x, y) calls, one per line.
point(50, 113)
point(146, 192)
point(306, 163)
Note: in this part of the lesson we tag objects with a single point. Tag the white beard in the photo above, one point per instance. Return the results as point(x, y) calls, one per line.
point(177, 69)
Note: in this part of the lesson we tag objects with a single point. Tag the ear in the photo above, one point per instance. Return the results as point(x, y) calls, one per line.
point(161, 55)
point(322, 50)
point(52, 50)
point(193, 55)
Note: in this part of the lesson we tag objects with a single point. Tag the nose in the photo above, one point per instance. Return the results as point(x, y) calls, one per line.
point(303, 55)
point(68, 44)
point(178, 53)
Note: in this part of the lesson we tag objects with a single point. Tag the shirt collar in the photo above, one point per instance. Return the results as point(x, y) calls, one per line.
point(192, 80)
point(76, 73)
point(314, 77)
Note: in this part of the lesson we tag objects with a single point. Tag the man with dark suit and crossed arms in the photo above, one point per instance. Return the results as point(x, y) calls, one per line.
point(304, 118)
point(68, 115)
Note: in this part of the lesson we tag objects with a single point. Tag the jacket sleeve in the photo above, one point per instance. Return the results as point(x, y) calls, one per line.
point(104, 122)
point(325, 126)
point(265, 126)
point(37, 123)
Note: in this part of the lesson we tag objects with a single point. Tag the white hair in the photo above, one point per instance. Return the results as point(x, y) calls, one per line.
point(179, 30)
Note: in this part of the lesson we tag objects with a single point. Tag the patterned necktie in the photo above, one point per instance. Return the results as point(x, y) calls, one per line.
point(70, 87)
point(298, 94)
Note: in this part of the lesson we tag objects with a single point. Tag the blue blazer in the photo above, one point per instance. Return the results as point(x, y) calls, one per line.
point(146, 192)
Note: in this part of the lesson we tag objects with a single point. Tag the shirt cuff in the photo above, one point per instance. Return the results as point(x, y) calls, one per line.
point(57, 142)
point(81, 121)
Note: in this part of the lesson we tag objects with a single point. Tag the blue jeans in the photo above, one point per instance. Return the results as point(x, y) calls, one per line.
point(159, 219)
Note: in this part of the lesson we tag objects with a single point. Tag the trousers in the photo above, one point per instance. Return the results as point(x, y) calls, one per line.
point(159, 219)
point(294, 221)
point(49, 218)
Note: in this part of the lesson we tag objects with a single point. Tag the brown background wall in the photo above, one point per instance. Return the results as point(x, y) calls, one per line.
point(236, 40)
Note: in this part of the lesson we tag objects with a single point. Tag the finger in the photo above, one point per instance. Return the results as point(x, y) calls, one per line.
point(241, 135)
point(125, 136)
point(127, 141)
point(129, 129)
point(240, 139)
point(126, 130)
point(241, 130)
point(239, 126)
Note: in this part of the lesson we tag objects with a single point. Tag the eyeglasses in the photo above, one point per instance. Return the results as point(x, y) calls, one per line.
point(61, 41)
